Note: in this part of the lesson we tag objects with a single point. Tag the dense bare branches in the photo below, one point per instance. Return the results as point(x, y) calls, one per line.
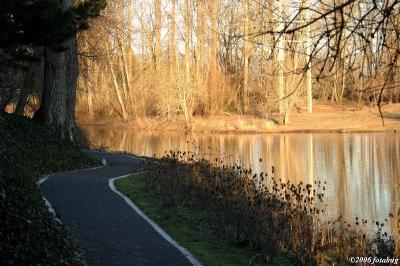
point(189, 58)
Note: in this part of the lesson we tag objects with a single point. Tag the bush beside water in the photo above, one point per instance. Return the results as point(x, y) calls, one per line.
point(231, 203)
point(28, 233)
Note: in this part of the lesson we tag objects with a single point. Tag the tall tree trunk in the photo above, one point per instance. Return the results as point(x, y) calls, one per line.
point(172, 42)
point(200, 31)
point(125, 76)
point(172, 56)
point(117, 90)
point(53, 108)
point(281, 60)
point(214, 47)
point(129, 49)
point(89, 84)
point(72, 82)
point(186, 92)
point(158, 33)
point(245, 87)
point(129, 23)
point(309, 68)
point(90, 104)
point(57, 108)
point(114, 78)
point(187, 32)
point(334, 96)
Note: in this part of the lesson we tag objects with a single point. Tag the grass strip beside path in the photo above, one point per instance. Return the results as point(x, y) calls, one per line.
point(173, 219)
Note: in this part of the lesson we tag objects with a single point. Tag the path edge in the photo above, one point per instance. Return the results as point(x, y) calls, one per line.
point(47, 203)
point(155, 226)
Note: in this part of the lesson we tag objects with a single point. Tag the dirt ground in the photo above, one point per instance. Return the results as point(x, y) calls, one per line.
point(325, 118)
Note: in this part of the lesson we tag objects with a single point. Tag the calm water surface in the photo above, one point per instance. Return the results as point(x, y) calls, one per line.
point(362, 170)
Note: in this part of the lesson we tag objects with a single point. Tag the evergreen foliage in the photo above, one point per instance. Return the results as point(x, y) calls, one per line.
point(28, 24)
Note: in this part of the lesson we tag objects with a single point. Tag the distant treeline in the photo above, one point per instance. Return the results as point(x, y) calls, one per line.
point(162, 58)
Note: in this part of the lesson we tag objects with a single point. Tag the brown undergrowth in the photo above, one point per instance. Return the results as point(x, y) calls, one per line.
point(261, 211)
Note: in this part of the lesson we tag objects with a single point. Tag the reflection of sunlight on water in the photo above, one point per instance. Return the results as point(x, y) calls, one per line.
point(362, 171)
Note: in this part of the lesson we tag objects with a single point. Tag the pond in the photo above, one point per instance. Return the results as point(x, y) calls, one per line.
point(361, 170)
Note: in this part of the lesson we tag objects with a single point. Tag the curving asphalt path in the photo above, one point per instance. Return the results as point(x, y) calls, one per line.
point(110, 232)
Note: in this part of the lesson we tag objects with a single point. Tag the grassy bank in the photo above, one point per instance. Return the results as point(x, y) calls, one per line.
point(228, 215)
point(177, 219)
point(28, 233)
point(325, 118)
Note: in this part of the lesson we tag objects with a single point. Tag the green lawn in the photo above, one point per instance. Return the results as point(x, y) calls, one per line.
point(174, 220)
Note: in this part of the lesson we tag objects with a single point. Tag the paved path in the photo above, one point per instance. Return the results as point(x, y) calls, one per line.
point(111, 233)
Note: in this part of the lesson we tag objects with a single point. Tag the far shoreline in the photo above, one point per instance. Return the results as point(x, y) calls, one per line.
point(331, 119)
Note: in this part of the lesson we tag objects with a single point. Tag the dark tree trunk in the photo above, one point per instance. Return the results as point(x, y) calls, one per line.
point(72, 78)
point(53, 108)
point(57, 108)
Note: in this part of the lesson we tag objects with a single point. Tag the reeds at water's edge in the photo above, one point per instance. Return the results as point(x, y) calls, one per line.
point(263, 212)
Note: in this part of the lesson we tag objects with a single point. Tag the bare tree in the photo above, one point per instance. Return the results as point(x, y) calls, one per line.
point(213, 6)
point(246, 51)
point(158, 52)
point(240, 56)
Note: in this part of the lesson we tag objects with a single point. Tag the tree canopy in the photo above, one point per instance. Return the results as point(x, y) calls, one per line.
point(27, 24)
